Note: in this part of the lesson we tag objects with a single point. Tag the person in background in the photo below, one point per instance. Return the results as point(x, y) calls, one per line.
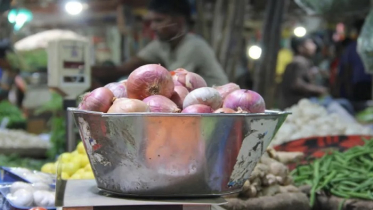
point(297, 78)
point(174, 47)
point(354, 82)
point(334, 66)
point(6, 80)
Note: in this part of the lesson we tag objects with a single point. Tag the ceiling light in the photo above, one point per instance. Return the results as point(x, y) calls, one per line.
point(74, 7)
point(300, 31)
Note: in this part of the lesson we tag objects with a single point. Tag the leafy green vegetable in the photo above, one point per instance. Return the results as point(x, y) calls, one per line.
point(365, 116)
point(57, 123)
point(16, 119)
point(28, 61)
point(16, 161)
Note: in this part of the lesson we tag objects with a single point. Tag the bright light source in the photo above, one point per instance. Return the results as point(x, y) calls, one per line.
point(74, 7)
point(300, 31)
point(254, 52)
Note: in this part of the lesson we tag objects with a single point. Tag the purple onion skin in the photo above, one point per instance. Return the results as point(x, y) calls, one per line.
point(206, 96)
point(180, 92)
point(226, 89)
point(198, 108)
point(158, 103)
point(119, 89)
point(247, 100)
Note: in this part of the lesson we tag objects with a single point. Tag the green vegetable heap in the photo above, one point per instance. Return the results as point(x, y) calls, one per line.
point(16, 120)
point(346, 174)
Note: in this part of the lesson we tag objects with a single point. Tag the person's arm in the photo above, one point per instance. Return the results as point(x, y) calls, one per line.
point(107, 74)
point(201, 59)
point(211, 67)
point(298, 83)
point(111, 74)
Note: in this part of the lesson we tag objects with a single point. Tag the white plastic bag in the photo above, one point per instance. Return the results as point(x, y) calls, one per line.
point(365, 43)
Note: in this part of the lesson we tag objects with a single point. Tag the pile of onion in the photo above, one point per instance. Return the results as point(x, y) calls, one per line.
point(152, 88)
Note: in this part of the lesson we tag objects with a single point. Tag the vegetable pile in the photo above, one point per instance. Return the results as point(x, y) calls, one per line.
point(346, 174)
point(152, 88)
point(20, 139)
point(74, 165)
point(28, 195)
point(14, 115)
point(309, 119)
point(271, 176)
point(14, 160)
point(365, 116)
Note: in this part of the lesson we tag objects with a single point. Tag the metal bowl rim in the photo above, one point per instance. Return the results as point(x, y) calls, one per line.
point(157, 114)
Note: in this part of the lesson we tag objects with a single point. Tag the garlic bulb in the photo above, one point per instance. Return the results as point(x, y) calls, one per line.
point(309, 119)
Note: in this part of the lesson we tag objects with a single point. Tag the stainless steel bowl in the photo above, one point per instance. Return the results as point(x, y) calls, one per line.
point(182, 155)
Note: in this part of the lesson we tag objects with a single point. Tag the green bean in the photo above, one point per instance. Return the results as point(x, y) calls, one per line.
point(316, 180)
point(339, 159)
point(300, 178)
point(327, 179)
point(341, 204)
point(327, 163)
point(366, 161)
point(351, 168)
point(352, 184)
point(365, 196)
point(346, 174)
point(357, 155)
point(339, 194)
point(366, 183)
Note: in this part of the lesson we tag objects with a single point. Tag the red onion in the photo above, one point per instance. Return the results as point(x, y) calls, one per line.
point(247, 100)
point(197, 108)
point(224, 90)
point(150, 80)
point(225, 110)
point(126, 105)
point(98, 100)
point(160, 103)
point(190, 80)
point(206, 95)
point(179, 95)
point(119, 89)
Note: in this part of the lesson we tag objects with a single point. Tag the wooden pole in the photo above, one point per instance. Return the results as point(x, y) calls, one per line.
point(202, 27)
point(227, 33)
point(264, 76)
point(217, 25)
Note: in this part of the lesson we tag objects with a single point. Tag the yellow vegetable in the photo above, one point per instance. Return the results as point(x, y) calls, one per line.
point(48, 168)
point(70, 168)
point(65, 175)
point(88, 168)
point(77, 159)
point(76, 176)
point(65, 157)
point(80, 148)
point(75, 152)
point(88, 175)
point(84, 161)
